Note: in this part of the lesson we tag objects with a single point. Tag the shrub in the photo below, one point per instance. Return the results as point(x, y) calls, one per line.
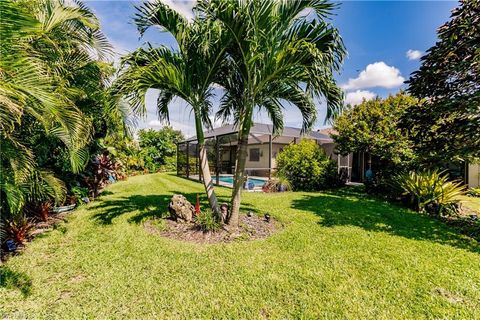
point(306, 166)
point(80, 193)
point(430, 191)
point(207, 221)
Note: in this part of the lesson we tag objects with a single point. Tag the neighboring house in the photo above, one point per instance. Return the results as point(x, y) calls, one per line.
point(262, 151)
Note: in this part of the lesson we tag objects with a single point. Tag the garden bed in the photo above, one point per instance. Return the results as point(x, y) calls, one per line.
point(250, 228)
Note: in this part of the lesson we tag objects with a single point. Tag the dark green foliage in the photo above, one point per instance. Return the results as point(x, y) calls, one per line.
point(159, 148)
point(306, 166)
point(447, 125)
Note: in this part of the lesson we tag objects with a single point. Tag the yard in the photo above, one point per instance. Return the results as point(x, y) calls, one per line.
point(339, 255)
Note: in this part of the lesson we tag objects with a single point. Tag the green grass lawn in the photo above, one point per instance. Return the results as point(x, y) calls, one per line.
point(340, 255)
point(472, 203)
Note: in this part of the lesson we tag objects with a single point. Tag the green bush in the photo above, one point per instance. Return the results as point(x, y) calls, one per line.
point(306, 166)
point(207, 221)
point(430, 191)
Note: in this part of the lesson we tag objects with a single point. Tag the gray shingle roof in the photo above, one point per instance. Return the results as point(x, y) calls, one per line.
point(266, 129)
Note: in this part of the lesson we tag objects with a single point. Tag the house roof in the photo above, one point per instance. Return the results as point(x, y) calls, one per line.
point(260, 129)
point(328, 131)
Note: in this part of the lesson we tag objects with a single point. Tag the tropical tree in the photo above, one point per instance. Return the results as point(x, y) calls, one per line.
point(446, 126)
point(40, 42)
point(187, 72)
point(281, 51)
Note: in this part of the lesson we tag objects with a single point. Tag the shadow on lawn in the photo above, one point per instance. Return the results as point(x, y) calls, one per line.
point(10, 279)
point(149, 206)
point(347, 207)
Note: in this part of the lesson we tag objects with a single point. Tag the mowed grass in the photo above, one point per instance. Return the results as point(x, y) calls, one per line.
point(340, 255)
point(472, 203)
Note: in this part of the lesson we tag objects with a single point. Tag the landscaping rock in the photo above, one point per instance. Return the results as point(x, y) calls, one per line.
point(180, 208)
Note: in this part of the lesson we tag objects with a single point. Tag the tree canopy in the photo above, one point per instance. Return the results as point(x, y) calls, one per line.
point(447, 125)
point(374, 127)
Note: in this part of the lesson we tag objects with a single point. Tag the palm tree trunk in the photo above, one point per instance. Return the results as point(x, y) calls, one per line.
point(239, 177)
point(208, 181)
point(207, 177)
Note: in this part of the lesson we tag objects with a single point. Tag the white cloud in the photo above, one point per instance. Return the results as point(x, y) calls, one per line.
point(357, 97)
point(184, 7)
point(377, 74)
point(413, 54)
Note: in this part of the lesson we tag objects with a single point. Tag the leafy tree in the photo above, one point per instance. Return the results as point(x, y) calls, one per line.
point(160, 147)
point(374, 127)
point(447, 125)
point(275, 54)
point(187, 72)
point(305, 165)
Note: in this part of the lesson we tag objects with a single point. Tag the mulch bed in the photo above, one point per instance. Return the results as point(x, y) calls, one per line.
point(250, 228)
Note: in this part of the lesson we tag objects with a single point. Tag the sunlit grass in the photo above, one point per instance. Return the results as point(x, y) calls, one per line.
point(340, 255)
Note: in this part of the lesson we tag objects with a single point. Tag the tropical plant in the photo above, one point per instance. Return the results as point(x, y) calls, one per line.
point(41, 42)
point(275, 54)
point(278, 183)
point(18, 228)
point(101, 169)
point(305, 165)
point(207, 221)
point(187, 73)
point(430, 191)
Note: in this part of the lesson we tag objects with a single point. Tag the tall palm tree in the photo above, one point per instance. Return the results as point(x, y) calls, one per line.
point(282, 50)
point(187, 73)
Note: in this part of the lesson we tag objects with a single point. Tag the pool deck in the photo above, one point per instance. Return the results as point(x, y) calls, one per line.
point(195, 177)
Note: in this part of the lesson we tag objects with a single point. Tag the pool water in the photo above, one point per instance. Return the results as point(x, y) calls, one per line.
point(229, 180)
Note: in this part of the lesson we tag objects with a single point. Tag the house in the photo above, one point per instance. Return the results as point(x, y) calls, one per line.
point(263, 147)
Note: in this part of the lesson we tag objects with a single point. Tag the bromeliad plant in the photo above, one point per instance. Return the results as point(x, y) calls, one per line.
point(430, 191)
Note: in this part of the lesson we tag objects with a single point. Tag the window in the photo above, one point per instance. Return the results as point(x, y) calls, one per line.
point(255, 154)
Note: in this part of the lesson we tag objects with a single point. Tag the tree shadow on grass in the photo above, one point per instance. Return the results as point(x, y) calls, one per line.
point(348, 207)
point(10, 279)
point(149, 206)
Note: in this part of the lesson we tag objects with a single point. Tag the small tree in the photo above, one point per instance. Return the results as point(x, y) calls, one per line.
point(374, 127)
point(306, 166)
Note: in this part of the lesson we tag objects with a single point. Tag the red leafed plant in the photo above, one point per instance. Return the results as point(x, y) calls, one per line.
point(100, 169)
point(44, 208)
point(18, 228)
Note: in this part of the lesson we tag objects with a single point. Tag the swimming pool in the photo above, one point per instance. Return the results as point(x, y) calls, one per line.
point(229, 180)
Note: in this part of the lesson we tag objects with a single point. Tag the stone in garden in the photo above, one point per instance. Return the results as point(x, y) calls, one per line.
point(180, 208)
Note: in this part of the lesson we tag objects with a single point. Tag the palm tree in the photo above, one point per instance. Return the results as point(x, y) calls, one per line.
point(187, 73)
point(282, 50)
point(40, 42)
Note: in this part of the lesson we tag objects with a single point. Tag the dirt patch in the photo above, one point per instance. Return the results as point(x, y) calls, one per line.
point(250, 228)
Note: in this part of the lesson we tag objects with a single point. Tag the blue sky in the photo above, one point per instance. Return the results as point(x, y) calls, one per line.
point(384, 40)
